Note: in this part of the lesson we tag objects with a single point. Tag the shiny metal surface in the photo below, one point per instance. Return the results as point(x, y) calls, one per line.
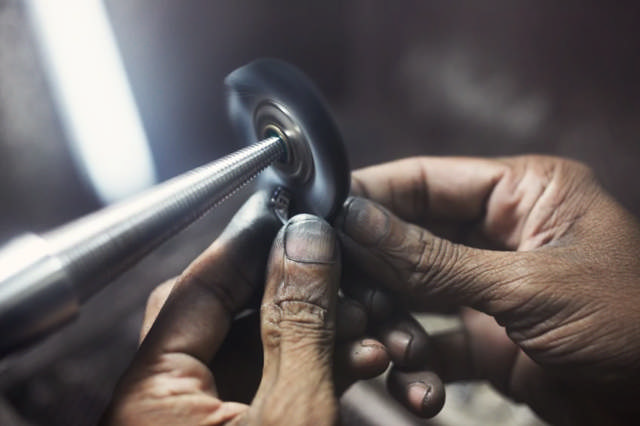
point(46, 278)
point(291, 128)
point(271, 119)
point(269, 92)
point(35, 292)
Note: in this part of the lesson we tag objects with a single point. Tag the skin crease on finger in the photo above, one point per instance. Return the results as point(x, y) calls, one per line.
point(239, 360)
point(577, 266)
point(170, 382)
point(298, 326)
point(574, 178)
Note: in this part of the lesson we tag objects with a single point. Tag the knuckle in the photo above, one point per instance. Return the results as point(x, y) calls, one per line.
point(571, 172)
point(546, 167)
point(538, 199)
point(304, 315)
point(577, 168)
point(433, 264)
point(515, 299)
point(271, 315)
point(297, 323)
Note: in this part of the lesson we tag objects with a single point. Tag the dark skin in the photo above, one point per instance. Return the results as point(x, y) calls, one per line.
point(550, 314)
point(539, 262)
point(189, 326)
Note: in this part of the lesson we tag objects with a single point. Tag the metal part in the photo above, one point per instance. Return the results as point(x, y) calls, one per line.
point(270, 92)
point(272, 119)
point(44, 279)
point(32, 279)
point(280, 203)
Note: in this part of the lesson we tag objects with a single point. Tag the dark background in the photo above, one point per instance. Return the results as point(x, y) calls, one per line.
point(491, 78)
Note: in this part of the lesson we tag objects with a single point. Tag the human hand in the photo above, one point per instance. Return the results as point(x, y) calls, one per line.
point(559, 290)
point(170, 382)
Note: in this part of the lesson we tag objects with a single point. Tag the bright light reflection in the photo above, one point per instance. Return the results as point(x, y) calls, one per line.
point(93, 95)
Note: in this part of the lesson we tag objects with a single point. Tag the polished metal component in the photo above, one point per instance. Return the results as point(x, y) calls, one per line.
point(272, 119)
point(276, 110)
point(268, 97)
point(44, 279)
point(280, 203)
point(35, 292)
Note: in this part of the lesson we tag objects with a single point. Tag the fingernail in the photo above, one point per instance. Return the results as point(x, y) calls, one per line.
point(364, 221)
point(371, 343)
point(368, 347)
point(419, 394)
point(309, 239)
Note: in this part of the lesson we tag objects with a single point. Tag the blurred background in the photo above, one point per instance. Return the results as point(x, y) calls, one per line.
point(94, 92)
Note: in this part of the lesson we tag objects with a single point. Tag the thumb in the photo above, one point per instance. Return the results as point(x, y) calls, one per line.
point(298, 321)
point(429, 271)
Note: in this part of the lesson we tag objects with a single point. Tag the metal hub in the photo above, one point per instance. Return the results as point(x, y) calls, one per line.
point(269, 98)
point(271, 119)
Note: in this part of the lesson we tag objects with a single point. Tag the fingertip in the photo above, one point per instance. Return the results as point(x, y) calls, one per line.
point(368, 358)
point(310, 239)
point(359, 360)
point(407, 342)
point(362, 359)
point(364, 221)
point(424, 399)
point(304, 265)
point(298, 310)
point(421, 392)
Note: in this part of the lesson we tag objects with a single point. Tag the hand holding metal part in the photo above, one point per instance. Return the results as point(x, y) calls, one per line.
point(275, 108)
point(284, 364)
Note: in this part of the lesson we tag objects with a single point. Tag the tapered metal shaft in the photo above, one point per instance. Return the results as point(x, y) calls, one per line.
point(44, 279)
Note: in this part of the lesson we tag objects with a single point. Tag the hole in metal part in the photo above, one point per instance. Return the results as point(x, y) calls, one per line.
point(271, 119)
point(272, 131)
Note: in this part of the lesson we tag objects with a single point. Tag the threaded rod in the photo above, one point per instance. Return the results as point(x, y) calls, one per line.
point(96, 248)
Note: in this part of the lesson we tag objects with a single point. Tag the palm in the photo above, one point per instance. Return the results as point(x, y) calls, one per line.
point(561, 276)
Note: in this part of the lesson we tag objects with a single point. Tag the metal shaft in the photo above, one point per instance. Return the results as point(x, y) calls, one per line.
point(43, 279)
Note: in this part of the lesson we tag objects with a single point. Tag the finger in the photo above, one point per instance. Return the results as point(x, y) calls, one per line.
point(426, 270)
point(429, 187)
point(515, 203)
point(196, 316)
point(422, 392)
point(378, 305)
point(237, 365)
point(155, 302)
point(358, 360)
point(298, 314)
point(450, 357)
point(351, 319)
point(406, 341)
point(479, 350)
